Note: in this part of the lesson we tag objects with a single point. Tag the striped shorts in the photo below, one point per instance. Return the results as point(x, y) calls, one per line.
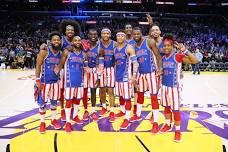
point(50, 91)
point(123, 89)
point(171, 96)
point(148, 82)
point(71, 93)
point(108, 78)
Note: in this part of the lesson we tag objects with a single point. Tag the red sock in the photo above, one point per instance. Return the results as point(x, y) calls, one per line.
point(128, 105)
point(154, 102)
point(140, 97)
point(85, 98)
point(121, 100)
point(135, 109)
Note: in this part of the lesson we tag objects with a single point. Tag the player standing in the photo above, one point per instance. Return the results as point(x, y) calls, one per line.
point(108, 76)
point(171, 82)
point(47, 80)
point(145, 50)
point(74, 61)
point(124, 57)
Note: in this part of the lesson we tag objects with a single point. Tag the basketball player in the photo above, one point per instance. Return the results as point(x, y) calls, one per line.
point(74, 62)
point(171, 82)
point(124, 57)
point(108, 76)
point(69, 28)
point(95, 60)
point(47, 80)
point(145, 50)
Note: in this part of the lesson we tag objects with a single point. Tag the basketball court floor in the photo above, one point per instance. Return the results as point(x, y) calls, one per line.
point(204, 121)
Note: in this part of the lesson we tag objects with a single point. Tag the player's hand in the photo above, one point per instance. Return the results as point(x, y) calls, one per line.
point(69, 48)
point(43, 46)
point(100, 69)
point(180, 46)
point(149, 19)
point(97, 83)
point(159, 73)
point(39, 84)
point(56, 70)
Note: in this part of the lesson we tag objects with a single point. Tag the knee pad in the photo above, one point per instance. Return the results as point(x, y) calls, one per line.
point(128, 104)
point(154, 102)
point(140, 97)
point(167, 110)
point(177, 116)
point(121, 100)
point(68, 104)
point(76, 101)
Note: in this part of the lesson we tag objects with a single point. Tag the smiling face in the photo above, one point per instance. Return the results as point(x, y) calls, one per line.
point(120, 37)
point(128, 29)
point(56, 42)
point(155, 31)
point(77, 42)
point(137, 35)
point(69, 31)
point(168, 47)
point(93, 35)
point(105, 35)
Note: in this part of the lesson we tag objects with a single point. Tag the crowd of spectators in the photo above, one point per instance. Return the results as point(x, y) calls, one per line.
point(21, 37)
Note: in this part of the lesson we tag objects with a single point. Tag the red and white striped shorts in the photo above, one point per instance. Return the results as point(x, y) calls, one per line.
point(108, 78)
point(123, 89)
point(71, 93)
point(50, 91)
point(61, 81)
point(91, 78)
point(148, 82)
point(171, 96)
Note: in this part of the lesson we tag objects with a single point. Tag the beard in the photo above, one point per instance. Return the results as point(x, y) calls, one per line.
point(56, 47)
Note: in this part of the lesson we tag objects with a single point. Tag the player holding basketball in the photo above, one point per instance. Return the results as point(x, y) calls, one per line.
point(145, 50)
point(124, 57)
point(74, 60)
point(47, 80)
point(108, 76)
point(171, 81)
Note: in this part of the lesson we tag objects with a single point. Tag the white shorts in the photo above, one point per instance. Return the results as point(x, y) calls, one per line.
point(108, 78)
point(171, 96)
point(148, 82)
point(71, 93)
point(50, 91)
point(123, 89)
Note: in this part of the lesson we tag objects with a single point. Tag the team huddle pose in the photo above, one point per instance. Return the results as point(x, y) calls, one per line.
point(128, 67)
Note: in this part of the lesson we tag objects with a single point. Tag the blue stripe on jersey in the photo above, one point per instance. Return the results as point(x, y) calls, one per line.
point(93, 56)
point(74, 69)
point(108, 54)
point(171, 71)
point(48, 75)
point(122, 64)
point(145, 58)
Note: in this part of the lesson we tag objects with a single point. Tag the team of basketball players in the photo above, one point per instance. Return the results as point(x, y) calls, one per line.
point(127, 68)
